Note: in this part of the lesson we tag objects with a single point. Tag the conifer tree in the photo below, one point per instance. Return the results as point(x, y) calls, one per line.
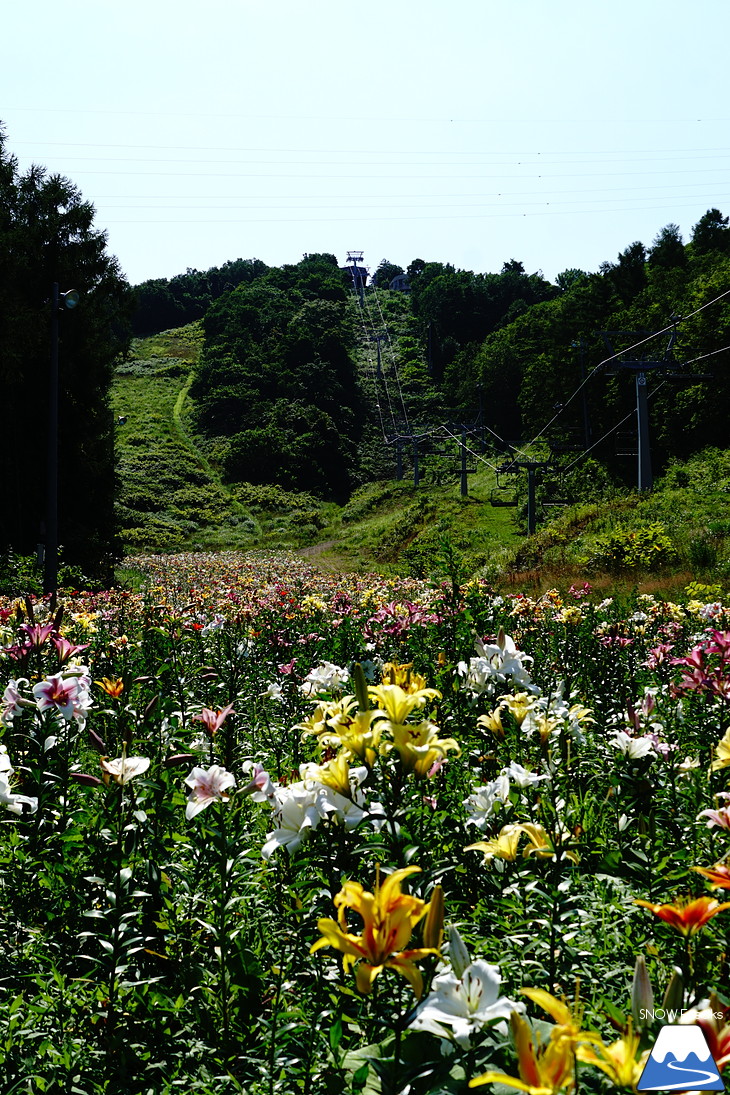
point(47, 236)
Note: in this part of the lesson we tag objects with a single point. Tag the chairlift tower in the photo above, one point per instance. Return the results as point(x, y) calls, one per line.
point(640, 367)
point(358, 273)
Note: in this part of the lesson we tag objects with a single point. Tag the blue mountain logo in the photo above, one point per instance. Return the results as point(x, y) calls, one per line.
point(680, 1061)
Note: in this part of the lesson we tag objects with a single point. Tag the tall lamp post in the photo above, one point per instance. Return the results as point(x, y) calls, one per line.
point(59, 300)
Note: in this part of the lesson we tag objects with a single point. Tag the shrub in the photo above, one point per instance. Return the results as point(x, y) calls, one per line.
point(645, 548)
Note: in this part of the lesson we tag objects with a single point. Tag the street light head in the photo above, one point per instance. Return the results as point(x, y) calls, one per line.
point(70, 299)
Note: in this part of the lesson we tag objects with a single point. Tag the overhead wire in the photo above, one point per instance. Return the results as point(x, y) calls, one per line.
point(650, 395)
point(631, 414)
point(628, 349)
point(374, 334)
point(394, 363)
point(367, 341)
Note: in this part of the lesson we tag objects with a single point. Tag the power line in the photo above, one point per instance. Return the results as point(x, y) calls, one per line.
point(393, 360)
point(628, 349)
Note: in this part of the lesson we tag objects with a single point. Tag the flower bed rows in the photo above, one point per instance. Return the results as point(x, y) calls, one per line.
point(268, 830)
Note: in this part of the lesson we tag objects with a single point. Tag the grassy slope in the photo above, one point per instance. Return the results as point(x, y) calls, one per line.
point(172, 498)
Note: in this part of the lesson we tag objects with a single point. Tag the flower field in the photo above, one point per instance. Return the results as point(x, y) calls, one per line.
point(270, 830)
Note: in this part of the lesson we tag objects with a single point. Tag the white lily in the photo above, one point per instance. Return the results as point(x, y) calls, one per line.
point(459, 1007)
point(12, 802)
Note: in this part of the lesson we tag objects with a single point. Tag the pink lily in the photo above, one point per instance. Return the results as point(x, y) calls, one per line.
point(207, 786)
point(59, 692)
point(213, 720)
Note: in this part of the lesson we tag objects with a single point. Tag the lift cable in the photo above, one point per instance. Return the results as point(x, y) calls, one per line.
point(472, 452)
point(628, 349)
point(367, 341)
point(384, 330)
point(392, 356)
point(585, 452)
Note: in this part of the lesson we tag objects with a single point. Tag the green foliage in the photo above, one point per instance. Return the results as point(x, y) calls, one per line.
point(163, 303)
point(644, 548)
point(47, 236)
point(277, 379)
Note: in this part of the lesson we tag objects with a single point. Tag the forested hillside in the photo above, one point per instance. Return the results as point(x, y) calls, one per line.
point(285, 391)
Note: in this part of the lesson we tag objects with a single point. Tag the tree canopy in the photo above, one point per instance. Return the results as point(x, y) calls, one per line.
point(47, 236)
point(277, 379)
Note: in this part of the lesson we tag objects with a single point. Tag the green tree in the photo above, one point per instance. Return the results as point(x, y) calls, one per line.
point(385, 273)
point(711, 233)
point(277, 379)
point(47, 236)
point(667, 250)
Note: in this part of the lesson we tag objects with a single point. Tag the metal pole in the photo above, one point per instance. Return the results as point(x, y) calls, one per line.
point(586, 419)
point(464, 489)
point(531, 525)
point(398, 460)
point(645, 480)
point(416, 472)
point(50, 575)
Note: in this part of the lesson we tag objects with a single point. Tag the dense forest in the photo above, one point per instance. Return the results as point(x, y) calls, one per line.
point(279, 388)
point(277, 379)
point(47, 238)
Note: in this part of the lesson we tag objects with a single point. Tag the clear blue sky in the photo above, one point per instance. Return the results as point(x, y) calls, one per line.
point(555, 132)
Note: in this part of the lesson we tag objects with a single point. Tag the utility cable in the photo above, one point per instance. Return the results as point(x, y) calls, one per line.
point(620, 353)
point(384, 377)
point(368, 344)
point(392, 356)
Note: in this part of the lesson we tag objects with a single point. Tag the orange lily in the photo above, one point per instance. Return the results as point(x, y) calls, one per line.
point(687, 914)
point(618, 1060)
point(715, 1023)
point(544, 1069)
point(112, 686)
point(389, 917)
point(719, 875)
point(403, 675)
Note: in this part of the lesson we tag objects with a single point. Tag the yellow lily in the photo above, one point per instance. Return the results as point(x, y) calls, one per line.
point(360, 736)
point(326, 718)
point(542, 845)
point(389, 917)
point(503, 846)
point(722, 752)
point(343, 724)
point(519, 705)
point(396, 704)
point(544, 1069)
point(492, 722)
point(419, 745)
point(335, 774)
point(618, 1060)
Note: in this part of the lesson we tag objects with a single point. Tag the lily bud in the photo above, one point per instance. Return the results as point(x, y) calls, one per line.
point(361, 687)
point(85, 778)
point(178, 759)
point(433, 931)
point(642, 997)
point(674, 996)
point(458, 954)
point(96, 742)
